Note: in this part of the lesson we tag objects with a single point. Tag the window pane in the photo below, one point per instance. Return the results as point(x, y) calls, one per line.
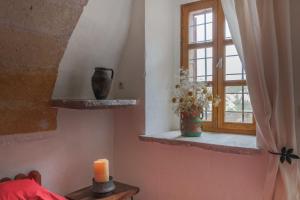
point(234, 68)
point(201, 63)
point(201, 67)
point(201, 53)
point(233, 117)
point(247, 103)
point(236, 89)
point(201, 26)
point(231, 50)
point(199, 19)
point(200, 33)
point(209, 67)
point(209, 16)
point(227, 31)
point(209, 52)
point(209, 32)
point(192, 66)
point(238, 107)
point(248, 118)
point(234, 102)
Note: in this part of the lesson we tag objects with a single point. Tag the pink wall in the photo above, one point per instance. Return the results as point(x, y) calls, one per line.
point(183, 173)
point(168, 172)
point(64, 157)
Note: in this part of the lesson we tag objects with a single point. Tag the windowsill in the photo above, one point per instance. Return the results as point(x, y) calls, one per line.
point(228, 143)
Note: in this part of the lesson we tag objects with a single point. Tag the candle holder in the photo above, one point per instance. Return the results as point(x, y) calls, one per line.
point(105, 187)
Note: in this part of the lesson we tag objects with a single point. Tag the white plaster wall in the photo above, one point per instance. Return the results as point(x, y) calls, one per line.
point(98, 40)
point(65, 156)
point(131, 72)
point(160, 65)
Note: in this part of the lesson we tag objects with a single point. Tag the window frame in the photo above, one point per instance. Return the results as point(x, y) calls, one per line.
point(219, 83)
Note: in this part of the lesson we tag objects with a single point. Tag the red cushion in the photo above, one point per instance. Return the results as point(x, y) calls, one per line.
point(25, 190)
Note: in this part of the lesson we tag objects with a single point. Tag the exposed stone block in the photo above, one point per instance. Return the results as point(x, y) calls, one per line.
point(26, 120)
point(51, 17)
point(27, 85)
point(25, 49)
point(33, 38)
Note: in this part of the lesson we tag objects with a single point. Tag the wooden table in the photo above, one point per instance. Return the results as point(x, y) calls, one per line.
point(122, 192)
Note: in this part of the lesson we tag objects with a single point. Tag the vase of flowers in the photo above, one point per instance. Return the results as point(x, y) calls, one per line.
point(189, 101)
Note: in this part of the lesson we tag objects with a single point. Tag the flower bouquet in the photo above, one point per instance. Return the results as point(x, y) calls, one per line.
point(191, 98)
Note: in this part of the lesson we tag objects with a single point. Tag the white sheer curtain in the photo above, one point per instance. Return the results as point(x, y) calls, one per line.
point(261, 32)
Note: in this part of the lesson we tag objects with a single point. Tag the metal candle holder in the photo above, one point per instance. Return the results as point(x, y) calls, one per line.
point(105, 187)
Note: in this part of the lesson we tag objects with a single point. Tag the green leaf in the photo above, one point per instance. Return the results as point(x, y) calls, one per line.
point(294, 156)
point(283, 150)
point(290, 151)
point(282, 159)
point(289, 160)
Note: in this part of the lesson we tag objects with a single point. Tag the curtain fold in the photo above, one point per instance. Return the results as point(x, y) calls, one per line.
point(261, 32)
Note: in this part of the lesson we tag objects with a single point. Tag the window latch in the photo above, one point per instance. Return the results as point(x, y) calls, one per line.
point(220, 64)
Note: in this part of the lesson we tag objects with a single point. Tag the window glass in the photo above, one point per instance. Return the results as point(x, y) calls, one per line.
point(227, 31)
point(201, 26)
point(238, 107)
point(201, 64)
point(233, 65)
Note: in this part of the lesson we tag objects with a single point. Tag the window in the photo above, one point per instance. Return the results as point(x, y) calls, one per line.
point(207, 50)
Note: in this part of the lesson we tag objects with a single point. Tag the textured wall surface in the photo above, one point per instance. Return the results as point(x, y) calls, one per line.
point(33, 38)
point(160, 65)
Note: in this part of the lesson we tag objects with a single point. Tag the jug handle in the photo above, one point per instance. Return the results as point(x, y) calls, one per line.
point(112, 73)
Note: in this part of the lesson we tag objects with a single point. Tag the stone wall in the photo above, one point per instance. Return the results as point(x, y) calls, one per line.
point(33, 37)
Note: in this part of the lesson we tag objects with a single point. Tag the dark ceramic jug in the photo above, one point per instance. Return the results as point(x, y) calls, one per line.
point(101, 82)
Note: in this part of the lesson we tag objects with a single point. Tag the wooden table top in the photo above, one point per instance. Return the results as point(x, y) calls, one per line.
point(122, 192)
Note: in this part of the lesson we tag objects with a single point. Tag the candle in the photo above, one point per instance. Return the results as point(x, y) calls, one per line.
point(101, 170)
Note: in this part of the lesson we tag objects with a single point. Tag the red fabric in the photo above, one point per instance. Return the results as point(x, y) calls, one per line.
point(25, 190)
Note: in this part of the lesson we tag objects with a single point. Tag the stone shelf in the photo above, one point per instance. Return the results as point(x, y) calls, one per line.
point(93, 104)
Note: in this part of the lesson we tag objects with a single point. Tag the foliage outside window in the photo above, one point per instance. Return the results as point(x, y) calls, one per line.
point(208, 52)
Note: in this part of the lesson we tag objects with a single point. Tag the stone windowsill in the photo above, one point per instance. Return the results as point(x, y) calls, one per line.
point(229, 143)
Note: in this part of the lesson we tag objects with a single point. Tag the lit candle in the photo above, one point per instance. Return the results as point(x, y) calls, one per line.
point(101, 170)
